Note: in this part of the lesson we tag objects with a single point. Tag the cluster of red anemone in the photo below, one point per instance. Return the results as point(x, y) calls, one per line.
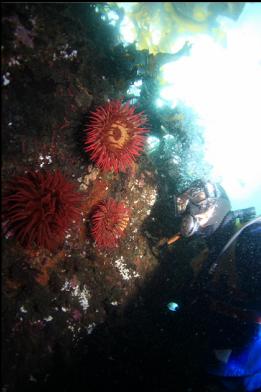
point(109, 221)
point(39, 207)
point(115, 136)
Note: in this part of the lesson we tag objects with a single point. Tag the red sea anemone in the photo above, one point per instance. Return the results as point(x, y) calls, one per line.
point(115, 137)
point(109, 221)
point(39, 207)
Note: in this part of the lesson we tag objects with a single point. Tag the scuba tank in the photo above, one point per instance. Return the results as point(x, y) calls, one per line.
point(234, 308)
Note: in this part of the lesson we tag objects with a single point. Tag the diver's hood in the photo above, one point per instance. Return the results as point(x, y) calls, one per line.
point(204, 205)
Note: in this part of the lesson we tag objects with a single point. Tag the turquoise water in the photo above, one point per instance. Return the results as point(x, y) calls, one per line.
point(221, 83)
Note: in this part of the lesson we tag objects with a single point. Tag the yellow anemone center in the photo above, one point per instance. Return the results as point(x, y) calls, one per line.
point(118, 136)
point(123, 223)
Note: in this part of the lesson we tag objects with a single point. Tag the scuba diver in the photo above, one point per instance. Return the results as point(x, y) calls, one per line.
point(226, 293)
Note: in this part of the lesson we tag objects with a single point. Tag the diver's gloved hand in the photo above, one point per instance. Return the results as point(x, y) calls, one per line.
point(161, 246)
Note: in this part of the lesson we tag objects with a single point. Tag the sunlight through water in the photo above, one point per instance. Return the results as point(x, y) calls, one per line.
point(223, 86)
